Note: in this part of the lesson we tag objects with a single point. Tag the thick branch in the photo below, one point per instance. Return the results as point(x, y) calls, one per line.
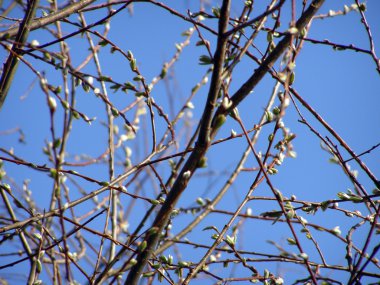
point(216, 79)
point(204, 138)
point(260, 72)
point(11, 64)
point(190, 166)
point(51, 18)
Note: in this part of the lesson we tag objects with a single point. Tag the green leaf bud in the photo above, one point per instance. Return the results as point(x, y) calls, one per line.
point(38, 266)
point(219, 121)
point(114, 112)
point(202, 163)
point(291, 241)
point(205, 60)
point(292, 78)
point(148, 274)
point(133, 65)
point(142, 246)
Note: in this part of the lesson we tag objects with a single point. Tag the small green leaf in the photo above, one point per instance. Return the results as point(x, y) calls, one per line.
point(303, 32)
point(266, 273)
point(53, 173)
point(6, 36)
point(7, 187)
point(142, 246)
point(129, 86)
point(202, 163)
point(58, 89)
point(215, 236)
point(269, 37)
point(138, 78)
point(52, 104)
point(304, 256)
point(230, 240)
point(170, 259)
point(85, 87)
point(103, 43)
point(105, 78)
point(276, 110)
point(292, 78)
point(183, 264)
point(210, 228)
point(57, 143)
point(200, 201)
point(65, 104)
point(148, 274)
point(115, 112)
point(272, 171)
point(324, 205)
point(291, 241)
point(290, 137)
point(133, 64)
point(336, 230)
point(272, 214)
point(152, 231)
point(154, 202)
point(163, 72)
point(140, 94)
point(219, 121)
point(269, 116)
point(133, 261)
point(290, 214)
point(343, 196)
point(115, 87)
point(216, 11)
point(163, 259)
point(205, 60)
point(187, 32)
point(38, 266)
point(292, 30)
point(130, 55)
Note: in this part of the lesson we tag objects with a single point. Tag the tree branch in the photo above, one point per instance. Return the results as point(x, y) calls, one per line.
point(190, 166)
point(260, 72)
point(51, 18)
point(11, 64)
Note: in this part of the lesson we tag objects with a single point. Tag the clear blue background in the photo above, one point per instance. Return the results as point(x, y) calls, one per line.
point(343, 86)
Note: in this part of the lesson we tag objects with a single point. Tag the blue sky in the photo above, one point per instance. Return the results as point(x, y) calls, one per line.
point(341, 85)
